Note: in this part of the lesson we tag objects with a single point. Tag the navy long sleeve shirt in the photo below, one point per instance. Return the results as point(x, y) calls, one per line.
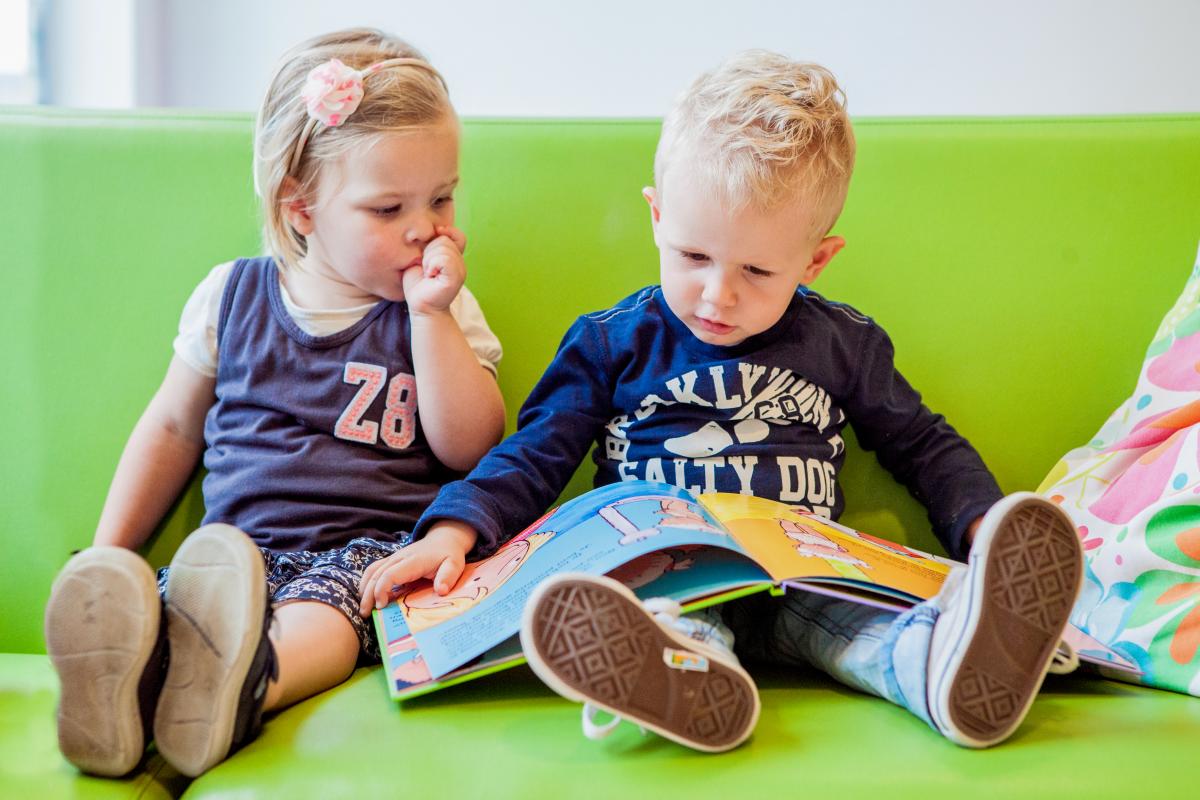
point(763, 417)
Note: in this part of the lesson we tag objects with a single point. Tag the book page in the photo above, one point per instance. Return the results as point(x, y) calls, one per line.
point(810, 553)
point(693, 575)
point(595, 533)
point(794, 546)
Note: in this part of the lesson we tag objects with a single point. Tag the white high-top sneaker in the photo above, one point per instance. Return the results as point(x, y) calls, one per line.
point(591, 640)
point(1001, 620)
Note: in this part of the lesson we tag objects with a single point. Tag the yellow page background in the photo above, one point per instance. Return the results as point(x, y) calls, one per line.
point(757, 525)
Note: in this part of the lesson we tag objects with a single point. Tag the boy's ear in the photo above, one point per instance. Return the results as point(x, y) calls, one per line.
point(827, 248)
point(294, 207)
point(651, 195)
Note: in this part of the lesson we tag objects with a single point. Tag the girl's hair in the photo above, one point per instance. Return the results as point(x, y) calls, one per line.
point(395, 98)
point(764, 130)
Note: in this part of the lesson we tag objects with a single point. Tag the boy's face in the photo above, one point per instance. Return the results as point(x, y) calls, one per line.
point(730, 275)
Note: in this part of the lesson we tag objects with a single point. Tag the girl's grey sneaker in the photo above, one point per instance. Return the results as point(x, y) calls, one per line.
point(105, 639)
point(1002, 618)
point(218, 614)
point(591, 640)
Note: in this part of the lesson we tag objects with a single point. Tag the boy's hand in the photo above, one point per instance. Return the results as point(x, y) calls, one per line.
point(434, 285)
point(441, 555)
point(970, 535)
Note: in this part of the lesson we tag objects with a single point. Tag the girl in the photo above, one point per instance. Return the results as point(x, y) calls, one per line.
point(331, 387)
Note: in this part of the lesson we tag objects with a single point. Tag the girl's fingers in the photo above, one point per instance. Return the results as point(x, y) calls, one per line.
point(455, 235)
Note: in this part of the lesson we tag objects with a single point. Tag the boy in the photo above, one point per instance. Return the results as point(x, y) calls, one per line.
point(733, 376)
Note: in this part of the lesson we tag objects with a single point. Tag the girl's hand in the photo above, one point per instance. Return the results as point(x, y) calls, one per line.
point(440, 555)
point(431, 287)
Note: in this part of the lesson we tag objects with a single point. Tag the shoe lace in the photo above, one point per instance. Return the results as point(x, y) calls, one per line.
point(594, 730)
point(1065, 661)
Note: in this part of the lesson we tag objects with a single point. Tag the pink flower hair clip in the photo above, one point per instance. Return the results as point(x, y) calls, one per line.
point(333, 91)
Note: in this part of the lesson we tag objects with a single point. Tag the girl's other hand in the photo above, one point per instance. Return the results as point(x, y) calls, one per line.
point(433, 287)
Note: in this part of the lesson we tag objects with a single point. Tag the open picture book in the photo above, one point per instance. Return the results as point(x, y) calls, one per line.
point(660, 541)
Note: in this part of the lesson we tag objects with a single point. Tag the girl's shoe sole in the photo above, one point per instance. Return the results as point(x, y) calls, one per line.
point(102, 623)
point(216, 601)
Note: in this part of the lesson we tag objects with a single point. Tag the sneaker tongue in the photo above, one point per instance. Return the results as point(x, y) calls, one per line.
point(663, 608)
point(951, 587)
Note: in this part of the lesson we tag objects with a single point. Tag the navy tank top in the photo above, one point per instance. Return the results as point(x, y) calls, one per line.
point(313, 440)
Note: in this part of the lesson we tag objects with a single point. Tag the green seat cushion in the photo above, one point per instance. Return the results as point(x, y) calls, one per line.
point(508, 736)
point(1019, 265)
point(30, 763)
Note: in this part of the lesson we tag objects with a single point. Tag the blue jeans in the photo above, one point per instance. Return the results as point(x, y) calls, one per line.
point(884, 653)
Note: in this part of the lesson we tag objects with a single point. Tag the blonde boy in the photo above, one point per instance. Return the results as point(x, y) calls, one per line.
point(732, 375)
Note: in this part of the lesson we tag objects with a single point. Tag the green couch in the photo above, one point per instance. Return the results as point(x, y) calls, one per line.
point(1020, 265)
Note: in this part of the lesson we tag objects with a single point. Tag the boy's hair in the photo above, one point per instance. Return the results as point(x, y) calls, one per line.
point(762, 130)
point(395, 98)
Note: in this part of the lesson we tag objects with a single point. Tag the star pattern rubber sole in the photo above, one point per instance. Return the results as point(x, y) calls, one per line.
point(1031, 580)
point(594, 643)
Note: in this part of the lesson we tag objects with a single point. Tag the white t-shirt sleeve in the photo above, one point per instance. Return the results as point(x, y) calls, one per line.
point(196, 342)
point(469, 316)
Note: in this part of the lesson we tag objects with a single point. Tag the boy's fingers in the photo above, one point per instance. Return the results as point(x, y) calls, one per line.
point(369, 572)
point(383, 587)
point(366, 598)
point(447, 575)
point(392, 580)
point(370, 590)
point(368, 577)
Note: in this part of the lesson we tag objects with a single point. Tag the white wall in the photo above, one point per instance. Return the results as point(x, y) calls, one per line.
point(93, 42)
point(628, 58)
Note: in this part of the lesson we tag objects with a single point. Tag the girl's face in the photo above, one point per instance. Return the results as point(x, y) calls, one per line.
point(378, 206)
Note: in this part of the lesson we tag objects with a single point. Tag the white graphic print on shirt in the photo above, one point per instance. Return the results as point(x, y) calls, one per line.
point(754, 406)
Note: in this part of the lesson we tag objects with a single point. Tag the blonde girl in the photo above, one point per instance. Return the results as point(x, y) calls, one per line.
point(330, 387)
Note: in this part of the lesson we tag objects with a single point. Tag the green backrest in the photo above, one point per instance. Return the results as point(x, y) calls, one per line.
point(1021, 267)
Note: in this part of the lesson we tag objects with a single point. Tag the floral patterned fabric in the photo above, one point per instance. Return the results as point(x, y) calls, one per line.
point(1134, 492)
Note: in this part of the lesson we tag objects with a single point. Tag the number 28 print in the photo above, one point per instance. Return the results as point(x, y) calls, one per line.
point(397, 427)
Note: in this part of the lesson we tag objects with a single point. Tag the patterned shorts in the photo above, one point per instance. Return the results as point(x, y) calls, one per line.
point(330, 577)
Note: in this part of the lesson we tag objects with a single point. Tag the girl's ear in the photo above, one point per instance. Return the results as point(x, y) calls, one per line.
point(294, 207)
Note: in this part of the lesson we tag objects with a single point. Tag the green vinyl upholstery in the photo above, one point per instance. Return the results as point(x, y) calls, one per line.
point(1021, 267)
